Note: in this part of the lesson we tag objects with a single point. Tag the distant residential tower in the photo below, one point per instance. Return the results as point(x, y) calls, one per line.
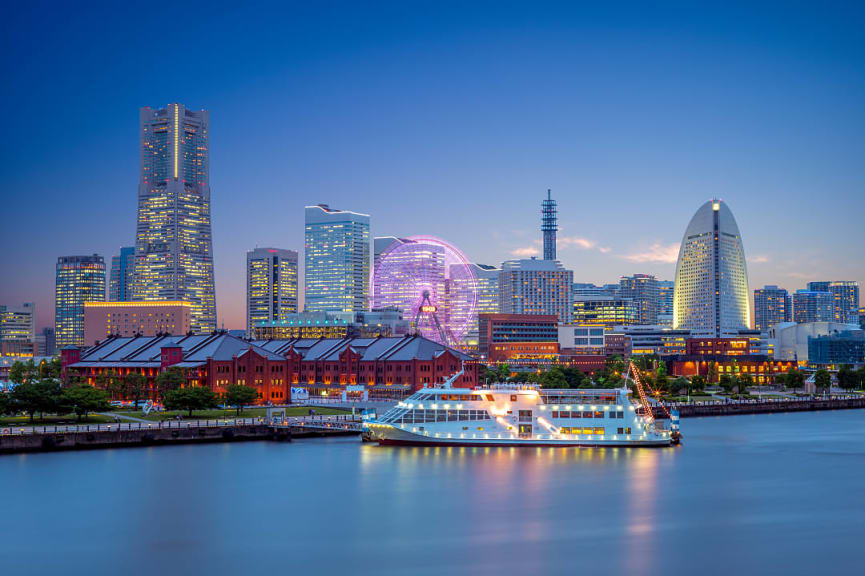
point(271, 286)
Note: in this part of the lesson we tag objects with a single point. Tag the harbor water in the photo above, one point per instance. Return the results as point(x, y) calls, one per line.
point(767, 494)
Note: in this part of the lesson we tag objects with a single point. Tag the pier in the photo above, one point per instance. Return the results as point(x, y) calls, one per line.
point(21, 439)
point(763, 406)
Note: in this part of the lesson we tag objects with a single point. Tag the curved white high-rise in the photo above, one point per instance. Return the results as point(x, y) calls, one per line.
point(711, 292)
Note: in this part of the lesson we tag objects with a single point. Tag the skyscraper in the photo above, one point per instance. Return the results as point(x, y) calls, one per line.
point(537, 287)
point(336, 260)
point(711, 295)
point(271, 286)
point(79, 279)
point(549, 226)
point(813, 306)
point(18, 324)
point(487, 282)
point(772, 305)
point(666, 289)
point(643, 290)
point(845, 299)
point(173, 245)
point(121, 275)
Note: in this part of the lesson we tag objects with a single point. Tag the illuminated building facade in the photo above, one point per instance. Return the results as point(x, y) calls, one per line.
point(845, 299)
point(150, 318)
point(536, 287)
point(173, 244)
point(845, 347)
point(78, 279)
point(643, 290)
point(122, 274)
point(813, 306)
point(18, 323)
point(772, 305)
point(606, 310)
point(505, 337)
point(711, 296)
point(666, 289)
point(45, 342)
point(271, 286)
point(336, 260)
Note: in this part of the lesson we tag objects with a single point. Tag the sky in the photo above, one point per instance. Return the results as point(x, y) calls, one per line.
point(449, 119)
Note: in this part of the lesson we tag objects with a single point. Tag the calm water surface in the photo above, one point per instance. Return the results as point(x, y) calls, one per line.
point(774, 494)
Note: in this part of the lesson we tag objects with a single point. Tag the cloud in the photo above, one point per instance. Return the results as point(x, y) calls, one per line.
point(656, 252)
point(605, 250)
point(758, 259)
point(526, 251)
point(576, 241)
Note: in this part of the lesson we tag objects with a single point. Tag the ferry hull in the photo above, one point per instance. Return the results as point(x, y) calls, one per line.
point(396, 437)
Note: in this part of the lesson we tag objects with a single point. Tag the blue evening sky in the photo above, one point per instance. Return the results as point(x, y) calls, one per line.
point(445, 118)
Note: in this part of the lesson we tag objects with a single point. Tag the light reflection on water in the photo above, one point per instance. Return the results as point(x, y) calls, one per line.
point(741, 495)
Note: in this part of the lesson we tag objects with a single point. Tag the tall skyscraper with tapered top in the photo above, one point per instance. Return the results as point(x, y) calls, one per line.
point(549, 226)
point(711, 292)
point(173, 245)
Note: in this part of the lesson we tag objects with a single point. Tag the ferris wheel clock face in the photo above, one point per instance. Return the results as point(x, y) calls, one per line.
point(432, 283)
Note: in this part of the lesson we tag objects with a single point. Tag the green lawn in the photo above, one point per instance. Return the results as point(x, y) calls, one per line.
point(229, 414)
point(54, 420)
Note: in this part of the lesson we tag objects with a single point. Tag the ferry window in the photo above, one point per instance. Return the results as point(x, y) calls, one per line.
point(576, 415)
point(599, 414)
point(465, 427)
point(565, 414)
point(490, 398)
point(619, 430)
point(481, 428)
point(628, 430)
point(513, 397)
point(587, 430)
point(564, 430)
point(599, 430)
point(620, 414)
point(587, 415)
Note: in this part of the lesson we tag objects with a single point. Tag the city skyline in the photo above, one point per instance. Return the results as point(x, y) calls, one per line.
point(485, 160)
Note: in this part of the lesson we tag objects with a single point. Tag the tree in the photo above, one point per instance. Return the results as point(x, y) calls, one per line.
point(36, 397)
point(861, 377)
point(170, 379)
point(84, 399)
point(823, 380)
point(745, 381)
point(847, 379)
point(727, 382)
point(5, 404)
point(503, 372)
point(23, 372)
point(136, 386)
point(679, 384)
point(110, 382)
point(238, 395)
point(698, 383)
point(554, 378)
point(794, 379)
point(712, 377)
point(573, 376)
point(190, 398)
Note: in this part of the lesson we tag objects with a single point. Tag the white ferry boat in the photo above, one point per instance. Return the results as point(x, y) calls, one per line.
point(520, 415)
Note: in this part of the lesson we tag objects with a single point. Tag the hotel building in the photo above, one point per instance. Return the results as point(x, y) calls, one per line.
point(151, 318)
point(711, 296)
point(813, 306)
point(271, 286)
point(514, 337)
point(643, 290)
point(608, 311)
point(845, 299)
point(336, 260)
point(78, 279)
point(536, 287)
point(173, 245)
point(18, 330)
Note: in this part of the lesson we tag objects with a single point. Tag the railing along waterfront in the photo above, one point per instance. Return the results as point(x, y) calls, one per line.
point(321, 420)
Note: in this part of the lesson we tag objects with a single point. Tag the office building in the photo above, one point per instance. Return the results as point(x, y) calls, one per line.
point(304, 325)
point(606, 310)
point(844, 347)
point(514, 337)
point(271, 286)
point(588, 291)
point(487, 282)
point(666, 289)
point(549, 226)
point(150, 318)
point(711, 296)
point(813, 306)
point(78, 279)
point(382, 243)
point(789, 341)
point(772, 305)
point(536, 287)
point(582, 338)
point(173, 244)
point(660, 340)
point(845, 299)
point(122, 274)
point(45, 342)
point(18, 323)
point(643, 290)
point(336, 259)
